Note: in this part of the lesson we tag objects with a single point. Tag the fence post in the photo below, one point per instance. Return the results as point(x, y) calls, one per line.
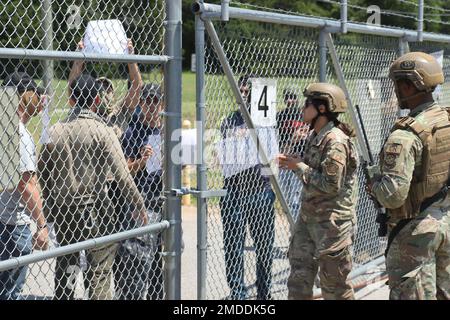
point(344, 16)
point(403, 46)
point(201, 166)
point(340, 75)
point(322, 56)
point(172, 177)
point(47, 43)
point(420, 22)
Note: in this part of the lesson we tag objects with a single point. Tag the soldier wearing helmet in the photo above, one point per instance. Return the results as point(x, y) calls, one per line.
point(411, 182)
point(324, 230)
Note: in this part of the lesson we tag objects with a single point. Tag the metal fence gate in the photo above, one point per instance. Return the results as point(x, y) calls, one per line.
point(42, 39)
point(288, 51)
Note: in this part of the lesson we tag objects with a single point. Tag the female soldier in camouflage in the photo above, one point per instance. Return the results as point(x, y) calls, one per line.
point(323, 233)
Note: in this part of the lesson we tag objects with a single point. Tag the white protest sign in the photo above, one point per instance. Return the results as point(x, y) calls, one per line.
point(238, 152)
point(439, 55)
point(105, 36)
point(263, 102)
point(154, 162)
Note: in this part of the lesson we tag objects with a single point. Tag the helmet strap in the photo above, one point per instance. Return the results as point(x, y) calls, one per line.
point(409, 98)
point(313, 121)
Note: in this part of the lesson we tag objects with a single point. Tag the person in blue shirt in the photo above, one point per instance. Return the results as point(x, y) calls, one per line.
point(249, 201)
point(138, 262)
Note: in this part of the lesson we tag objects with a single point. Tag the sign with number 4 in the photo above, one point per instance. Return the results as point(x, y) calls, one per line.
point(263, 102)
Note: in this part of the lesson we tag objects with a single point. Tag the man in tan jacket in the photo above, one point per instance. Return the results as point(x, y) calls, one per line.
point(73, 170)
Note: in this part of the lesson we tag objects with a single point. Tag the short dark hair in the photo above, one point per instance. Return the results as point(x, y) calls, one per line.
point(84, 89)
point(22, 82)
point(289, 94)
point(243, 80)
point(151, 91)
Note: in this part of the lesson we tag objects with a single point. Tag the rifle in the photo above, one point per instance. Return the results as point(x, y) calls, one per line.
point(382, 217)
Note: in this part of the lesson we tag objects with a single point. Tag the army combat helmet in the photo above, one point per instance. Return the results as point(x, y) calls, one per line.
point(332, 94)
point(421, 69)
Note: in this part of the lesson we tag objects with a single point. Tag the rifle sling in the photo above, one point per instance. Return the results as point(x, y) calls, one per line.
point(425, 204)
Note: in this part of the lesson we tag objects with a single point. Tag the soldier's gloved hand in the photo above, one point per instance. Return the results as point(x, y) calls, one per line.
point(373, 173)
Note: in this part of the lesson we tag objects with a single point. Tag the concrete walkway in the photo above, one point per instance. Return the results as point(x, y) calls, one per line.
point(40, 275)
point(376, 291)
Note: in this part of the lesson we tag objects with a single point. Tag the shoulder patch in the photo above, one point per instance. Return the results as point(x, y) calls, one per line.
point(391, 153)
point(390, 160)
point(394, 148)
point(331, 168)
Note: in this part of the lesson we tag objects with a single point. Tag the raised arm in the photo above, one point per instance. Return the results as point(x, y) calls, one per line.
point(77, 68)
point(132, 98)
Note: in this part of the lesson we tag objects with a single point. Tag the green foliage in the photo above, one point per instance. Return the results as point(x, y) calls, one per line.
point(21, 21)
point(328, 10)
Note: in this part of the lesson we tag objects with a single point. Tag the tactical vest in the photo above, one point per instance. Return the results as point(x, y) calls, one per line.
point(434, 171)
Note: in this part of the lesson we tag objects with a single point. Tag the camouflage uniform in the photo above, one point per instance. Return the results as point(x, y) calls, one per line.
point(73, 170)
point(119, 120)
point(324, 232)
point(418, 260)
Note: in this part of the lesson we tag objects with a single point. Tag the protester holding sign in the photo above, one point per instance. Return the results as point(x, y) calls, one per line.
point(117, 115)
point(142, 148)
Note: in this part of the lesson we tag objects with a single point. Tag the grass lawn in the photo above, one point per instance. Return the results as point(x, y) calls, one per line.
point(59, 107)
point(188, 96)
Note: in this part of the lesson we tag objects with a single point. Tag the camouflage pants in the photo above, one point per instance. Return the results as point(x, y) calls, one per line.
point(74, 224)
point(98, 276)
point(324, 244)
point(418, 261)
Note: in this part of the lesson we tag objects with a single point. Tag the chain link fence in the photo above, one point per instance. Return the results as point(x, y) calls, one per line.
point(247, 230)
point(248, 234)
point(85, 168)
point(365, 62)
